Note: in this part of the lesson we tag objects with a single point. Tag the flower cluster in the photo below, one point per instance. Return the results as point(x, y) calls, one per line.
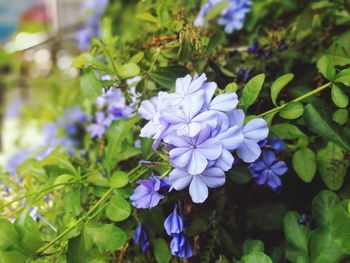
point(232, 16)
point(179, 246)
point(268, 169)
point(201, 131)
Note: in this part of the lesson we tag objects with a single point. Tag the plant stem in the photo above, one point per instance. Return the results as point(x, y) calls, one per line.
point(304, 96)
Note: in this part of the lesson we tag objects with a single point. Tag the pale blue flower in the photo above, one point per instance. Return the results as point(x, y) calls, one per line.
point(173, 224)
point(180, 246)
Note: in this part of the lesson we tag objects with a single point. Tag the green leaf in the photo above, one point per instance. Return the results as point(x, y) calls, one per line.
point(9, 238)
point(106, 236)
point(116, 134)
point(339, 97)
point(119, 179)
point(230, 88)
point(340, 226)
point(161, 251)
point(216, 10)
point(340, 116)
point(343, 77)
point(251, 245)
point(11, 257)
point(128, 70)
point(184, 53)
point(71, 201)
point(152, 217)
point(78, 249)
point(292, 111)
point(296, 234)
point(90, 86)
point(137, 57)
point(278, 85)
point(28, 232)
point(148, 17)
point(323, 248)
point(332, 165)
point(166, 76)
point(217, 39)
point(87, 60)
point(287, 131)
point(256, 257)
point(318, 119)
point(118, 209)
point(304, 164)
point(322, 205)
point(326, 67)
point(240, 175)
point(251, 90)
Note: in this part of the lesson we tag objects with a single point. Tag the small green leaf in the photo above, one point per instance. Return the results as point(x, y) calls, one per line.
point(326, 67)
point(256, 257)
point(292, 111)
point(296, 234)
point(119, 179)
point(278, 85)
point(340, 226)
point(166, 76)
point(304, 164)
point(90, 86)
point(148, 17)
point(128, 70)
point(322, 205)
point(251, 245)
point(339, 97)
point(251, 90)
point(340, 116)
point(287, 131)
point(343, 77)
point(230, 88)
point(118, 209)
point(106, 236)
point(137, 57)
point(161, 251)
point(332, 165)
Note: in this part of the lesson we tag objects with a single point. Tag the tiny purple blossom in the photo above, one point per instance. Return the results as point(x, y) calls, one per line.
point(173, 224)
point(267, 170)
point(98, 128)
point(146, 194)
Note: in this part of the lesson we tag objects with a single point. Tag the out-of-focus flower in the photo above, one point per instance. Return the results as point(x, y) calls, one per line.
point(173, 224)
point(17, 159)
point(147, 195)
point(267, 170)
point(99, 127)
point(232, 16)
point(180, 246)
point(141, 236)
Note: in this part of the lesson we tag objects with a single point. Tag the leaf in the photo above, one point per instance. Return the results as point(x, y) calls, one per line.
point(28, 232)
point(340, 116)
point(116, 134)
point(106, 236)
point(216, 10)
point(78, 249)
point(296, 234)
point(11, 257)
point(304, 164)
point(118, 209)
point(90, 86)
point(292, 111)
point(287, 131)
point(332, 165)
point(166, 76)
point(152, 217)
point(323, 248)
point(137, 57)
point(184, 53)
point(278, 85)
point(339, 97)
point(251, 90)
point(9, 238)
point(343, 77)
point(71, 201)
point(240, 175)
point(148, 17)
point(86, 60)
point(119, 179)
point(251, 245)
point(340, 226)
point(326, 67)
point(217, 39)
point(318, 119)
point(256, 257)
point(322, 205)
point(128, 70)
point(161, 251)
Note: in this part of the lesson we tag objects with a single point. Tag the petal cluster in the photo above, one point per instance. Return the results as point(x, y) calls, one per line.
point(201, 131)
point(141, 236)
point(231, 17)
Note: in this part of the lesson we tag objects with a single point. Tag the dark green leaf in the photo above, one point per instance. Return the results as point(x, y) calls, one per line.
point(287, 131)
point(78, 249)
point(167, 76)
point(161, 251)
point(217, 39)
point(9, 238)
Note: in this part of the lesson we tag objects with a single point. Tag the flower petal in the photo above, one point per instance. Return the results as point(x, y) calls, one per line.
point(179, 179)
point(213, 177)
point(197, 164)
point(224, 102)
point(211, 149)
point(180, 157)
point(225, 160)
point(279, 168)
point(256, 130)
point(249, 151)
point(147, 110)
point(198, 190)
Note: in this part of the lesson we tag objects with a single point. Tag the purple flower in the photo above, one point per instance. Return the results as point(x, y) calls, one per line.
point(267, 170)
point(232, 16)
point(141, 236)
point(98, 128)
point(16, 160)
point(211, 177)
point(173, 224)
point(146, 194)
point(180, 246)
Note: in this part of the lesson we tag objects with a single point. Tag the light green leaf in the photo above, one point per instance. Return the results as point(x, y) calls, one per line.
point(119, 179)
point(332, 165)
point(340, 226)
point(161, 251)
point(339, 97)
point(148, 17)
point(256, 257)
point(304, 164)
point(326, 67)
point(340, 116)
point(278, 85)
point(137, 57)
point(322, 205)
point(118, 209)
point(251, 90)
point(296, 234)
point(9, 238)
point(343, 77)
point(71, 201)
point(251, 245)
point(292, 111)
point(128, 70)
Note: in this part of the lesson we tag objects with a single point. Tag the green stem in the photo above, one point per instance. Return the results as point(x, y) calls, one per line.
point(304, 96)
